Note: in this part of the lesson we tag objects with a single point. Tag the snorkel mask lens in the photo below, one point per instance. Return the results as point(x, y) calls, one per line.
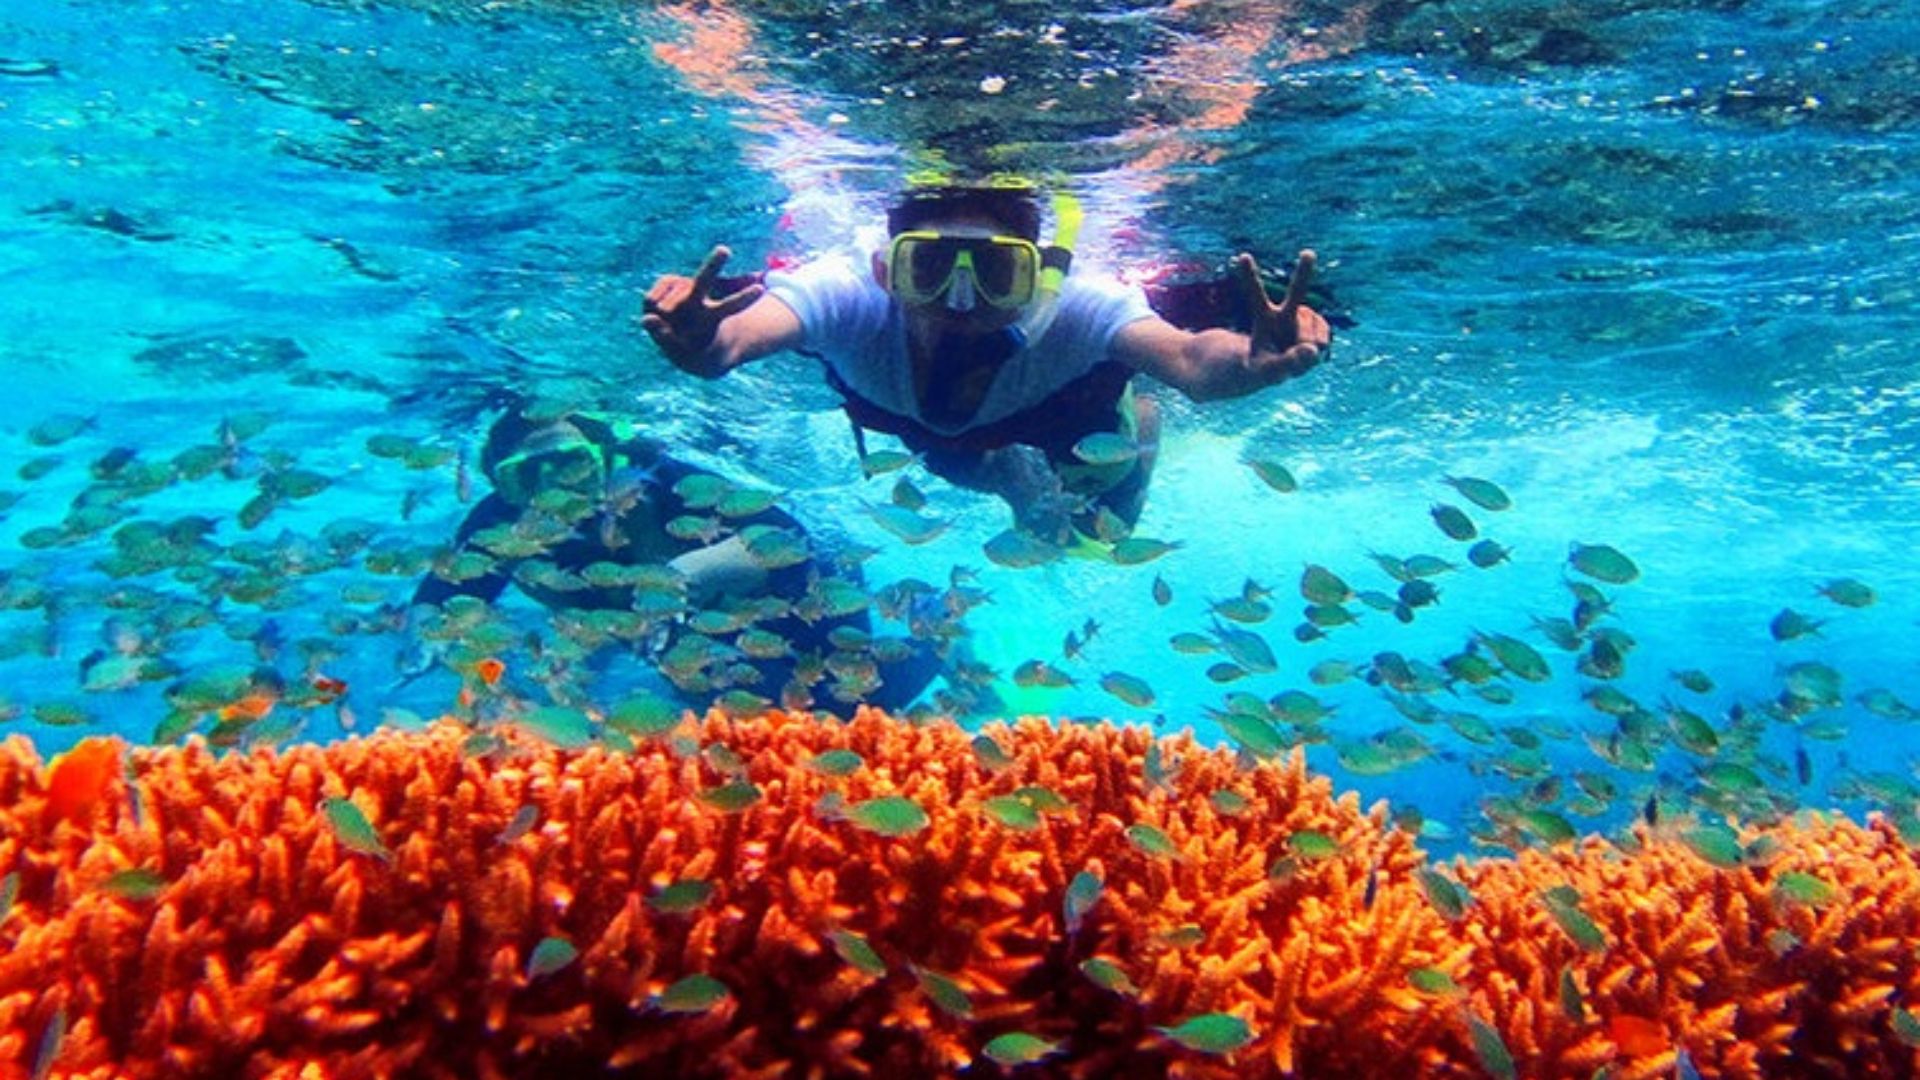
point(572, 466)
point(923, 265)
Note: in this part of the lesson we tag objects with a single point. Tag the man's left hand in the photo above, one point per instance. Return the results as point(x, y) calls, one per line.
point(1288, 337)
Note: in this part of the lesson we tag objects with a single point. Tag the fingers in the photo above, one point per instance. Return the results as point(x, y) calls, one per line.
point(710, 269)
point(668, 293)
point(1298, 282)
point(738, 302)
point(1248, 272)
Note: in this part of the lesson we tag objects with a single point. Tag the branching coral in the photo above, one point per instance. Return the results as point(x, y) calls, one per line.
point(1082, 884)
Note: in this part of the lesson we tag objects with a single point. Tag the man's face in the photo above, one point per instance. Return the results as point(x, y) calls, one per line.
point(958, 308)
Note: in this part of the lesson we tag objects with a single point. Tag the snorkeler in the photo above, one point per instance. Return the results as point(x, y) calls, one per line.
point(974, 345)
point(586, 517)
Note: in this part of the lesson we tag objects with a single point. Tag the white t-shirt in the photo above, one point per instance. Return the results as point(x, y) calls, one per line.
point(848, 320)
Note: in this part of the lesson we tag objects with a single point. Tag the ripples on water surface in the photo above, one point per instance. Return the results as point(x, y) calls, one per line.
point(1648, 266)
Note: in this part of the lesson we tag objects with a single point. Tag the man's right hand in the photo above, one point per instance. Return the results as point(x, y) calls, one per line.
point(682, 317)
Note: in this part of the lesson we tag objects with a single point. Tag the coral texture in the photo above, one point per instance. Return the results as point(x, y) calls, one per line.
point(850, 936)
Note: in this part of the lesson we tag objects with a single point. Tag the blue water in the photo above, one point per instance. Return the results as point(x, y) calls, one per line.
point(1649, 266)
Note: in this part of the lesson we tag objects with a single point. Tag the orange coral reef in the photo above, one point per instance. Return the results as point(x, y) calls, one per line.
point(274, 938)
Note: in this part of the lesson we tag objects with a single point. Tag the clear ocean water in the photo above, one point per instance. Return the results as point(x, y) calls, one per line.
point(1649, 266)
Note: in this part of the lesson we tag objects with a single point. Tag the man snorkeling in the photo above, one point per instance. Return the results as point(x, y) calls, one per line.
point(589, 518)
point(976, 347)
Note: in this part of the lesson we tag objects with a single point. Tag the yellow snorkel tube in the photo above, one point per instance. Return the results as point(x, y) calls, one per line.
point(1056, 259)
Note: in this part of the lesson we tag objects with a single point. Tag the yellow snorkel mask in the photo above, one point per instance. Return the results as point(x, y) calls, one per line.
point(1004, 272)
point(559, 456)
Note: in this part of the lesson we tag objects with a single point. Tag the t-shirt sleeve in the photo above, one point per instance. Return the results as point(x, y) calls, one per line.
point(833, 300)
point(1094, 308)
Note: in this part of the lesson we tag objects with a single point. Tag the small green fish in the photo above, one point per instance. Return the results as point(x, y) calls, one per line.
point(880, 462)
point(1494, 1055)
point(1162, 592)
point(1192, 644)
point(1519, 658)
point(944, 991)
point(1563, 903)
point(519, 825)
point(1128, 688)
point(1692, 732)
point(701, 491)
point(745, 502)
point(52, 1038)
point(693, 994)
point(57, 429)
point(1602, 563)
point(1106, 448)
point(1246, 648)
point(1434, 982)
point(1224, 672)
point(681, 897)
point(1572, 1002)
point(1732, 778)
point(9, 892)
point(1229, 803)
point(1798, 887)
point(1241, 609)
point(1453, 521)
point(731, 797)
point(568, 729)
point(1019, 1048)
point(1848, 593)
point(1211, 1033)
point(1331, 672)
point(1906, 1027)
point(136, 884)
point(693, 528)
point(857, 952)
point(1319, 585)
point(1135, 550)
point(1312, 844)
point(550, 955)
point(1715, 843)
point(1815, 683)
point(836, 763)
point(1039, 673)
point(1693, 679)
point(1043, 799)
point(1548, 827)
point(1487, 554)
point(1447, 897)
point(353, 830)
point(891, 816)
point(1108, 976)
point(1183, 937)
point(1328, 616)
point(1083, 892)
point(645, 715)
point(1152, 842)
point(1484, 494)
point(990, 754)
point(1274, 475)
point(1014, 813)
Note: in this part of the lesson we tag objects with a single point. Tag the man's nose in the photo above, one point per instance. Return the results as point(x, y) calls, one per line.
point(960, 295)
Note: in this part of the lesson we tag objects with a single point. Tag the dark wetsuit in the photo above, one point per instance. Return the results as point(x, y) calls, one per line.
point(901, 680)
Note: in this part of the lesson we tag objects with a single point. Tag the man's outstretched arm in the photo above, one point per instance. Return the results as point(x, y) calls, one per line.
point(1287, 340)
point(708, 337)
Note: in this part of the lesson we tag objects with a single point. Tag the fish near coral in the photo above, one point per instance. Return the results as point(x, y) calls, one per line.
point(80, 778)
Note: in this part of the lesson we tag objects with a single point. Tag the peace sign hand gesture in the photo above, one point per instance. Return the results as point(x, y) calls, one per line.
point(1288, 338)
point(682, 317)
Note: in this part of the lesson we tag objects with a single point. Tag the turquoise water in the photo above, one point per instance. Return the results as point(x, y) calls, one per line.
point(1650, 267)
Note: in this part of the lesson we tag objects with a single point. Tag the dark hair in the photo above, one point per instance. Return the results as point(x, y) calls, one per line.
point(1014, 208)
